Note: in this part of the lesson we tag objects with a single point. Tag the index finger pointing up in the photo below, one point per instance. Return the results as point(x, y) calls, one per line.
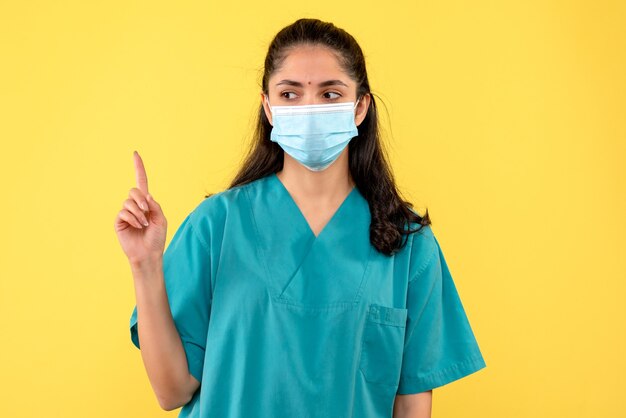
point(140, 173)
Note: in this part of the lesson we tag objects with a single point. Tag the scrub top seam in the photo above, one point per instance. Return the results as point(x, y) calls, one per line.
point(204, 244)
point(364, 279)
point(260, 251)
point(430, 292)
point(423, 267)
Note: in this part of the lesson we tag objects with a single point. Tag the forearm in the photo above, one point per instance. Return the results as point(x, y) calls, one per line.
point(161, 347)
point(418, 405)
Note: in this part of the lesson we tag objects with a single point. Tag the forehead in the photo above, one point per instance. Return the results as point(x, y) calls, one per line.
point(307, 63)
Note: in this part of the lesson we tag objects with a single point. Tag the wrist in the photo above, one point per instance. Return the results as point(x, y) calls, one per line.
point(147, 265)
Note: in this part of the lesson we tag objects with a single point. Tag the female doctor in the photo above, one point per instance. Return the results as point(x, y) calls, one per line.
point(308, 288)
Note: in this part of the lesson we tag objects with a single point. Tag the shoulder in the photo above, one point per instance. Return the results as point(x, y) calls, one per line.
point(214, 209)
point(423, 248)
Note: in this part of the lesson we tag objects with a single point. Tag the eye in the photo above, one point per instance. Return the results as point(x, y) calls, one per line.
point(332, 92)
point(286, 92)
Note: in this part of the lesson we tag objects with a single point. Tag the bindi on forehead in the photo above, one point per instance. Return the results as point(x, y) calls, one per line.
point(322, 84)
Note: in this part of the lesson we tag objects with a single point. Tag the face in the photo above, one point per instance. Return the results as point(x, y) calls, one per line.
point(312, 75)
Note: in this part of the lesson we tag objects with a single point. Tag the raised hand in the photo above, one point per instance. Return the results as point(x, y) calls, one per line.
point(141, 226)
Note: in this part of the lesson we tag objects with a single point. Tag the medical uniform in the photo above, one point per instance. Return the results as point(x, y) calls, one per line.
point(277, 322)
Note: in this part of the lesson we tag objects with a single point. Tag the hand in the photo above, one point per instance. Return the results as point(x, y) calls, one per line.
point(141, 243)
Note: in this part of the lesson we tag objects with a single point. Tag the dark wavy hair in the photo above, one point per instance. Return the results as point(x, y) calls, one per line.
point(391, 216)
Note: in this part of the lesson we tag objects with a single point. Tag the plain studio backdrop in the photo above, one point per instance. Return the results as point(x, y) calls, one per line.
point(505, 119)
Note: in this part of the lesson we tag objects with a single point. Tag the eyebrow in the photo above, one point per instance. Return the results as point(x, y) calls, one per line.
point(322, 84)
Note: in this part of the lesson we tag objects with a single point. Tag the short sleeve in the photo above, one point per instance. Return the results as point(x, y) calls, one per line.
point(186, 271)
point(439, 346)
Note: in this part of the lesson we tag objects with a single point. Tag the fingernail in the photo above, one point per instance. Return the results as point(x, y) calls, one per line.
point(143, 205)
point(145, 223)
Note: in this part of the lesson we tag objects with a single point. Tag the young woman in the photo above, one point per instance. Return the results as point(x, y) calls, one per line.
point(308, 288)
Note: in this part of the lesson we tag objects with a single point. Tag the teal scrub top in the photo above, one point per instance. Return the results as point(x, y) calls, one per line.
point(276, 322)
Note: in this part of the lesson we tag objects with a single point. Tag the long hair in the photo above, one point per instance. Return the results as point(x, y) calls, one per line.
point(391, 216)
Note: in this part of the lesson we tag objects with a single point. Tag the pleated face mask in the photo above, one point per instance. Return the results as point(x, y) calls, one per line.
point(314, 135)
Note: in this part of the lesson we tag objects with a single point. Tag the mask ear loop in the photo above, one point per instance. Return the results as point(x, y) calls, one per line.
point(267, 99)
point(356, 103)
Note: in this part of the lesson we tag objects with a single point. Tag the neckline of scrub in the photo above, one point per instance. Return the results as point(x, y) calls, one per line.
point(299, 213)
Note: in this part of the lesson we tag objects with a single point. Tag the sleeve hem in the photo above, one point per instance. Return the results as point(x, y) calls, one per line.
point(193, 352)
point(195, 359)
point(409, 385)
point(134, 335)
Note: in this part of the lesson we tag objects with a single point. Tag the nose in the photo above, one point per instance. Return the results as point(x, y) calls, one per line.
point(310, 99)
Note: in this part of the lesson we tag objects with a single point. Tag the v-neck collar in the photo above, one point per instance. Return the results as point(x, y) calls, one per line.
point(279, 184)
point(326, 272)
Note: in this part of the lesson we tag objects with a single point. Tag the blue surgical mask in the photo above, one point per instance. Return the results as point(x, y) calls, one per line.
point(314, 135)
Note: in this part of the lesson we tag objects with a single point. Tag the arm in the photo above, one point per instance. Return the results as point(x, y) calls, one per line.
point(418, 405)
point(161, 347)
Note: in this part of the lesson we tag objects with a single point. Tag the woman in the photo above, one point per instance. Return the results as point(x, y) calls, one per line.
point(308, 288)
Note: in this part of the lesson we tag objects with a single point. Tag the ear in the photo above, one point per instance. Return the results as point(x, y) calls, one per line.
point(266, 108)
point(361, 108)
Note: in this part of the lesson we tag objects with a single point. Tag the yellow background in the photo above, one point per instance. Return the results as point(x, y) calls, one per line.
point(506, 119)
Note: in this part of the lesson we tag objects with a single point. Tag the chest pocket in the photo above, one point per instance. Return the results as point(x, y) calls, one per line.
point(382, 344)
